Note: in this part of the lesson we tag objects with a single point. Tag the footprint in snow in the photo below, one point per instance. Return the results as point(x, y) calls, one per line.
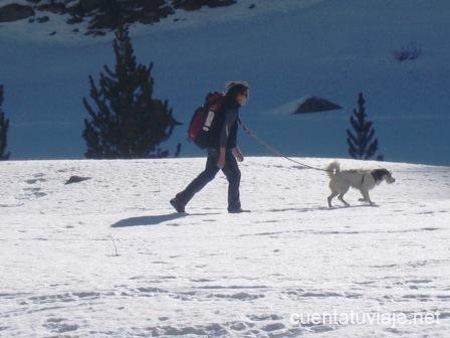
point(57, 325)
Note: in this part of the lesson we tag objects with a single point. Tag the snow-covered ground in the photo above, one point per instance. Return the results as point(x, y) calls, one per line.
point(108, 257)
point(285, 49)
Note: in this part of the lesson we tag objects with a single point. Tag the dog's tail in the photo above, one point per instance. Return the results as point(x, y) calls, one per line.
point(333, 168)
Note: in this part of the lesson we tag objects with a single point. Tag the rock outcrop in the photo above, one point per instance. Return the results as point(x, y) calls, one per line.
point(15, 12)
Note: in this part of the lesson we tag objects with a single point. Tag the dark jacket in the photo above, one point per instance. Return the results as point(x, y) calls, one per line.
point(229, 124)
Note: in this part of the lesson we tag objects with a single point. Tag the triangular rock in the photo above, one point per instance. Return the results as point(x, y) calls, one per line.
point(315, 104)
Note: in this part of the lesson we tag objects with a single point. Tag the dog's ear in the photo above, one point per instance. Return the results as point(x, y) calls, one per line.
point(378, 174)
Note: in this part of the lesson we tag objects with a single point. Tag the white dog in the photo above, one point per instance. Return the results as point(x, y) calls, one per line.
point(363, 180)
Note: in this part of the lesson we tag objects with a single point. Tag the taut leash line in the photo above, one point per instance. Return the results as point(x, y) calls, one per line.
point(272, 149)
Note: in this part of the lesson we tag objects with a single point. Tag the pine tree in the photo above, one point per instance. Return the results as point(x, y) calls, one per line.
point(361, 142)
point(4, 126)
point(127, 121)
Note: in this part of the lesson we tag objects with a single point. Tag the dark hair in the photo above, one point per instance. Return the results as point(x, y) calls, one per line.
point(235, 89)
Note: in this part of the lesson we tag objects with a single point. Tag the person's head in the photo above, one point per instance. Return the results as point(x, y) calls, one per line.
point(238, 91)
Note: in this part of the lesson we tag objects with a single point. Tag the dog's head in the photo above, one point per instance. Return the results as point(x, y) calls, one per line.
point(381, 175)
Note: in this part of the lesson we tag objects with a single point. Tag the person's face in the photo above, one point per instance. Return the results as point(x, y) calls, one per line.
point(242, 98)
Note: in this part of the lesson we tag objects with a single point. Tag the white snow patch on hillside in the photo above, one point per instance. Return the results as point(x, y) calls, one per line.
point(108, 257)
point(288, 108)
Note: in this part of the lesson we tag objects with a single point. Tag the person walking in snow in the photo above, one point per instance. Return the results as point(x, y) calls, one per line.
point(225, 156)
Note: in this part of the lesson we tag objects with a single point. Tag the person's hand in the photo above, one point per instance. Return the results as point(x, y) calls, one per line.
point(237, 153)
point(239, 156)
point(221, 161)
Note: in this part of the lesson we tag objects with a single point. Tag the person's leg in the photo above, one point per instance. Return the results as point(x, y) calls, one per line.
point(200, 181)
point(233, 174)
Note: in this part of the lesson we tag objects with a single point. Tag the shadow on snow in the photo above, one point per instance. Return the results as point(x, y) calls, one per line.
point(146, 220)
point(153, 220)
point(334, 207)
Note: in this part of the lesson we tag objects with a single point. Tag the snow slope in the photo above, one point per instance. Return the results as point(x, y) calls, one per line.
point(108, 257)
point(286, 50)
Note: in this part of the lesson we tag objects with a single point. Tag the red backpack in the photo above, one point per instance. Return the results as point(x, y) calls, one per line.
point(204, 124)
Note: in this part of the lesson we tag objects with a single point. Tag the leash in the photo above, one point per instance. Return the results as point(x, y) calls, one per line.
point(275, 151)
point(272, 149)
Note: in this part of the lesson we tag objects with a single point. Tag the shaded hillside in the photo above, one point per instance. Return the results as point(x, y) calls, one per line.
point(102, 15)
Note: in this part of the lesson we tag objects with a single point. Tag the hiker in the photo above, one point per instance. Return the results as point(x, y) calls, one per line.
point(224, 155)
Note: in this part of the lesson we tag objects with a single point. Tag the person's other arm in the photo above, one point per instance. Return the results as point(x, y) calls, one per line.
point(230, 119)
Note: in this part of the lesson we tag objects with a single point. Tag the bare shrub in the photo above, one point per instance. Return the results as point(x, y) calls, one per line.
point(409, 52)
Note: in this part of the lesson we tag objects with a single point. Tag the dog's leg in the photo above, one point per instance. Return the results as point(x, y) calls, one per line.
point(363, 199)
point(366, 196)
point(333, 195)
point(341, 197)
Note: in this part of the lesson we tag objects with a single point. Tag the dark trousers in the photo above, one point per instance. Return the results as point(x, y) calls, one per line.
point(231, 171)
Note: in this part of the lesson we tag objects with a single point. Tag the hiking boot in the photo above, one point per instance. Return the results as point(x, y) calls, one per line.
point(237, 210)
point(179, 207)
